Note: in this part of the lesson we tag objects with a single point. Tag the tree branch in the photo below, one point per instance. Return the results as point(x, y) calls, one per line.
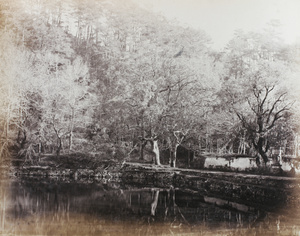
point(273, 107)
point(244, 122)
point(277, 116)
point(266, 95)
point(251, 106)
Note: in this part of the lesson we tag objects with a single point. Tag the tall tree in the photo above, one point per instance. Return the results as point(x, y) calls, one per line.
point(254, 86)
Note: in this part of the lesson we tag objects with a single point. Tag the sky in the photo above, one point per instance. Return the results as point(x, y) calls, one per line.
point(220, 18)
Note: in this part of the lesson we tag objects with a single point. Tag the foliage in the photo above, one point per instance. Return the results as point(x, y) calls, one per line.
point(83, 75)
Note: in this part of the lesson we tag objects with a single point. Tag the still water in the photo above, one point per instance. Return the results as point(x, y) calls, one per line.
point(90, 207)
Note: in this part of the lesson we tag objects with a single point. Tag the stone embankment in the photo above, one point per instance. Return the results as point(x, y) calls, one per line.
point(258, 189)
point(50, 172)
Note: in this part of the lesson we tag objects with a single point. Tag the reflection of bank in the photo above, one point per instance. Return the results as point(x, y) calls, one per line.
point(179, 207)
point(171, 212)
point(173, 207)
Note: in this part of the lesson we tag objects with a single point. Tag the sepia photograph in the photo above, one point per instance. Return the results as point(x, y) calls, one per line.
point(150, 117)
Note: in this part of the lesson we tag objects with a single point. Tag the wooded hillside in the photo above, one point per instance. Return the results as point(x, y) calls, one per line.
point(103, 77)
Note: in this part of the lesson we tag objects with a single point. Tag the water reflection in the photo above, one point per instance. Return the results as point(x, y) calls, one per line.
point(46, 207)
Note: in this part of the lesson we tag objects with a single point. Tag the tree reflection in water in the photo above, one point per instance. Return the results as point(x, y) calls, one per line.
point(54, 207)
point(154, 203)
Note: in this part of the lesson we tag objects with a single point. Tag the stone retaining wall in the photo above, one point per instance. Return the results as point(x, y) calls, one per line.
point(34, 171)
point(256, 189)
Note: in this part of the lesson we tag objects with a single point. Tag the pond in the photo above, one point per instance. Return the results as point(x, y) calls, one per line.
point(97, 207)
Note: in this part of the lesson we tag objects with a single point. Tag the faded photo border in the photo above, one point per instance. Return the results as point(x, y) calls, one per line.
point(121, 117)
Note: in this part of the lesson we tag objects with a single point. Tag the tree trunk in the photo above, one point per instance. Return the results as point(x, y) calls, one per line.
point(173, 162)
point(189, 156)
point(156, 152)
point(71, 130)
point(40, 149)
point(142, 146)
point(70, 141)
point(23, 139)
point(7, 122)
point(207, 143)
point(179, 135)
point(260, 149)
point(59, 146)
point(154, 148)
point(296, 146)
point(143, 138)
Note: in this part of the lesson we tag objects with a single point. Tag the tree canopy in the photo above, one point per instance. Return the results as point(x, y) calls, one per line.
point(89, 76)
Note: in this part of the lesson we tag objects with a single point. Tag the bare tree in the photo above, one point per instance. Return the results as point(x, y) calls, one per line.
point(266, 109)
